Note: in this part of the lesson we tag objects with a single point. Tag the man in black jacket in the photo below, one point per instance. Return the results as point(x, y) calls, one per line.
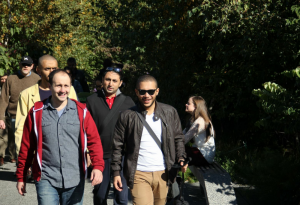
point(105, 107)
point(148, 159)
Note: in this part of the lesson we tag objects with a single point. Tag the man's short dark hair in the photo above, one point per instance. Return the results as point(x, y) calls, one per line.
point(71, 60)
point(145, 78)
point(119, 73)
point(107, 63)
point(52, 74)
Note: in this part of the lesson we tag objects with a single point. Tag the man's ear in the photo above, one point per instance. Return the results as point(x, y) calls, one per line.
point(136, 92)
point(157, 91)
point(38, 70)
point(120, 83)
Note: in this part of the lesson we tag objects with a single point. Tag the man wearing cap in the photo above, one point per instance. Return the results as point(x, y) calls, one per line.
point(9, 98)
point(105, 106)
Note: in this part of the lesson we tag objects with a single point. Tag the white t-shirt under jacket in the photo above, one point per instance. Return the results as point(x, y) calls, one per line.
point(150, 156)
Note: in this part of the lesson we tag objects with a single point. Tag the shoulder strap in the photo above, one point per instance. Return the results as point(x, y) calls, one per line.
point(117, 104)
point(153, 135)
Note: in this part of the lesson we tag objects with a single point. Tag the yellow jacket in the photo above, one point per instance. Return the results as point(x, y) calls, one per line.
point(26, 101)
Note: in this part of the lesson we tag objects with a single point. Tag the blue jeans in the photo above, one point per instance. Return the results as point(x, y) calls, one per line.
point(101, 190)
point(49, 195)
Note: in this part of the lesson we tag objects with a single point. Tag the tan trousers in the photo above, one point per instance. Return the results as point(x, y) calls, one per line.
point(149, 188)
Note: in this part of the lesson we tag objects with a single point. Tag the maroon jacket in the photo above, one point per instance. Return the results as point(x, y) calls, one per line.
point(32, 141)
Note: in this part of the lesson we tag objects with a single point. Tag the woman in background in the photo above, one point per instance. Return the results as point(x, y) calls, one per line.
point(199, 132)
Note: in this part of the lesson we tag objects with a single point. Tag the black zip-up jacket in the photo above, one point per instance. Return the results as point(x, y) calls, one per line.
point(99, 110)
point(127, 137)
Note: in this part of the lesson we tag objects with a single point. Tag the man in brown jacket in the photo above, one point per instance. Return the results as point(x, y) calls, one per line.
point(147, 163)
point(9, 98)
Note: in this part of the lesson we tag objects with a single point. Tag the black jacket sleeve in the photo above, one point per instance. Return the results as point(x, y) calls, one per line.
point(118, 145)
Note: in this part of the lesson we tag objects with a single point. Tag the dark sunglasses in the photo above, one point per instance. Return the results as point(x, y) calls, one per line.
point(118, 70)
point(26, 64)
point(150, 92)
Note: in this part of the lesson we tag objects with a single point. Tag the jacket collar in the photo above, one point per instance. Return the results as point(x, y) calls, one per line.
point(69, 105)
point(102, 93)
point(79, 104)
point(19, 73)
point(158, 112)
point(40, 104)
point(36, 89)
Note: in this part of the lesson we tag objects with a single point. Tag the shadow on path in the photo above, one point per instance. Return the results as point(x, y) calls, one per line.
point(7, 175)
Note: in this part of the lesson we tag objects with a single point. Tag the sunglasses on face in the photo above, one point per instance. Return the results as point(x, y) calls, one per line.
point(150, 92)
point(118, 70)
point(26, 64)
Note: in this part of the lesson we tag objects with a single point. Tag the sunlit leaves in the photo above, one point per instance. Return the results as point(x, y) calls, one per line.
point(5, 61)
point(281, 106)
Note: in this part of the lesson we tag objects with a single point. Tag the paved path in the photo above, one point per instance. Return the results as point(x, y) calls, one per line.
point(10, 196)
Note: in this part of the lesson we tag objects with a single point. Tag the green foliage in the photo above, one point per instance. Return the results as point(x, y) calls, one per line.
point(221, 50)
point(227, 163)
point(58, 27)
point(188, 176)
point(4, 61)
point(280, 106)
point(275, 176)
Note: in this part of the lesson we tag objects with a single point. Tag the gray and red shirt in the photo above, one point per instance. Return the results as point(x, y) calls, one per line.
point(32, 146)
point(61, 145)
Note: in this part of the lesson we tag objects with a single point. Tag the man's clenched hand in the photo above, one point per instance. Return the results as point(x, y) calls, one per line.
point(96, 177)
point(118, 183)
point(2, 124)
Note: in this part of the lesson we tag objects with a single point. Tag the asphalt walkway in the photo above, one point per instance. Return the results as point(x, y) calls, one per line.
point(10, 196)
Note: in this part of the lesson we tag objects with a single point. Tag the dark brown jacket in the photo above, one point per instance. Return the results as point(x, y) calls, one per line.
point(127, 139)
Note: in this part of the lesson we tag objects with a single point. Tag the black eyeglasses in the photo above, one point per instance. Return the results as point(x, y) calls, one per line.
point(26, 64)
point(150, 92)
point(118, 70)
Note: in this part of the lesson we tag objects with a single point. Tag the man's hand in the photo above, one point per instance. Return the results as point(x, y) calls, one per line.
point(183, 168)
point(2, 124)
point(118, 183)
point(88, 160)
point(96, 177)
point(21, 187)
